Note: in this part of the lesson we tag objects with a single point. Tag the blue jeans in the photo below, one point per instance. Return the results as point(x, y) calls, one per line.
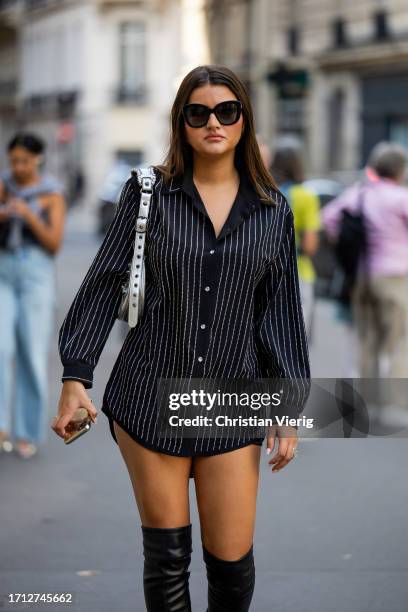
point(27, 315)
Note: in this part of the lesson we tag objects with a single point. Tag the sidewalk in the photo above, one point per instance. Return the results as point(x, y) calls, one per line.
point(331, 527)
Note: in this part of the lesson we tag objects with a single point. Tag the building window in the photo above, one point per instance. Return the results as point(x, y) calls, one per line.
point(381, 30)
point(339, 33)
point(132, 41)
point(336, 129)
point(293, 40)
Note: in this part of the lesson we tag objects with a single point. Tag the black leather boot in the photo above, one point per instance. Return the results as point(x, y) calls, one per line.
point(167, 553)
point(230, 583)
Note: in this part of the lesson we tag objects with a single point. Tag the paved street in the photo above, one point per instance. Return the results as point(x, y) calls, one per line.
point(331, 532)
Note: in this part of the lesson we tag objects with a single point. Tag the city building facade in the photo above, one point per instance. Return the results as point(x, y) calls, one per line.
point(332, 72)
point(95, 79)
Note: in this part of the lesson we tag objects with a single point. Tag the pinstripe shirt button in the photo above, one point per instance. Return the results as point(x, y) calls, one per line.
point(207, 288)
point(202, 325)
point(212, 251)
point(200, 358)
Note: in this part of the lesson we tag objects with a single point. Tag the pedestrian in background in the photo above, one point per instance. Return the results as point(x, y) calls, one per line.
point(32, 212)
point(344, 312)
point(287, 168)
point(380, 293)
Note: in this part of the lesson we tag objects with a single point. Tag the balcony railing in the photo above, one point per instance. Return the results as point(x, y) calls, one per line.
point(57, 104)
point(8, 87)
point(32, 5)
point(10, 6)
point(137, 96)
point(5, 4)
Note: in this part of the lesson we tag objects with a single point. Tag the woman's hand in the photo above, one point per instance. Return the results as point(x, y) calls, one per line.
point(73, 396)
point(288, 441)
point(49, 234)
point(19, 207)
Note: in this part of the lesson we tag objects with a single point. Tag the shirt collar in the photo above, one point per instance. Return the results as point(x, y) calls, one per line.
point(246, 201)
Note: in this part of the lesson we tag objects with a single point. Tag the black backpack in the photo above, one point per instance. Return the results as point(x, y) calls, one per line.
point(350, 247)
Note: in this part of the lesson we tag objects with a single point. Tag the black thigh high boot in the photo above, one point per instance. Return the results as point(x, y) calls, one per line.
point(167, 553)
point(230, 583)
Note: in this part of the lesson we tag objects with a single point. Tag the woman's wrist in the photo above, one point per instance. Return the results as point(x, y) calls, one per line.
point(67, 384)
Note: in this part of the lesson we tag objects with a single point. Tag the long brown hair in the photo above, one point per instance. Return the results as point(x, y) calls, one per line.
point(247, 154)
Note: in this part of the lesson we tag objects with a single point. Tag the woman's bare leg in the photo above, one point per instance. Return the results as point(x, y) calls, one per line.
point(161, 486)
point(226, 491)
point(160, 482)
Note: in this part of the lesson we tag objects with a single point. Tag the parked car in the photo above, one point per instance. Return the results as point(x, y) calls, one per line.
point(324, 260)
point(110, 192)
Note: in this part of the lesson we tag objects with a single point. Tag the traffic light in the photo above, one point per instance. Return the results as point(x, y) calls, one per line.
point(290, 82)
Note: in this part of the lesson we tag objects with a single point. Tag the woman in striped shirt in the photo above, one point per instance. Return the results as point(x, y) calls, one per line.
point(222, 302)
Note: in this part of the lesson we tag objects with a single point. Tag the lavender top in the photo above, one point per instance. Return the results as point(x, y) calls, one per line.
point(385, 207)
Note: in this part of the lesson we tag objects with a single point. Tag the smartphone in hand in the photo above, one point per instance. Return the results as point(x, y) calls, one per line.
point(79, 424)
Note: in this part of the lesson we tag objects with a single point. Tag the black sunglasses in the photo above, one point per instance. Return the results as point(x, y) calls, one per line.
point(227, 113)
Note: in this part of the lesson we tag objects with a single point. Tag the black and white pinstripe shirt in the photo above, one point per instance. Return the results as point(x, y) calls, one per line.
point(216, 307)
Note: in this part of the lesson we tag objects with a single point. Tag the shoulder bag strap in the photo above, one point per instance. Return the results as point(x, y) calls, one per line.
point(146, 178)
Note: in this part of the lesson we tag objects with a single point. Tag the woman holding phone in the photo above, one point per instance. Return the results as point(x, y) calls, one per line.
point(32, 212)
point(222, 301)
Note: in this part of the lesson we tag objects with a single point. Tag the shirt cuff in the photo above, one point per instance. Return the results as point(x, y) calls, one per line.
point(77, 370)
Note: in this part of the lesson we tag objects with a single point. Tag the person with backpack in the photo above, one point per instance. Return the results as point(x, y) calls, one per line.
point(287, 167)
point(370, 219)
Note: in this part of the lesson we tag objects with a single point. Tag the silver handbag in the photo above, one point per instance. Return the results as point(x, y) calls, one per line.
point(132, 302)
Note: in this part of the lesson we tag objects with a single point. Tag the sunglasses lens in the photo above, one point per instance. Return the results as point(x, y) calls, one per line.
point(228, 113)
point(196, 115)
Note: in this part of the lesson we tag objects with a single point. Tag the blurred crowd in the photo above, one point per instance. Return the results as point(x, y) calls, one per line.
point(366, 229)
point(351, 248)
